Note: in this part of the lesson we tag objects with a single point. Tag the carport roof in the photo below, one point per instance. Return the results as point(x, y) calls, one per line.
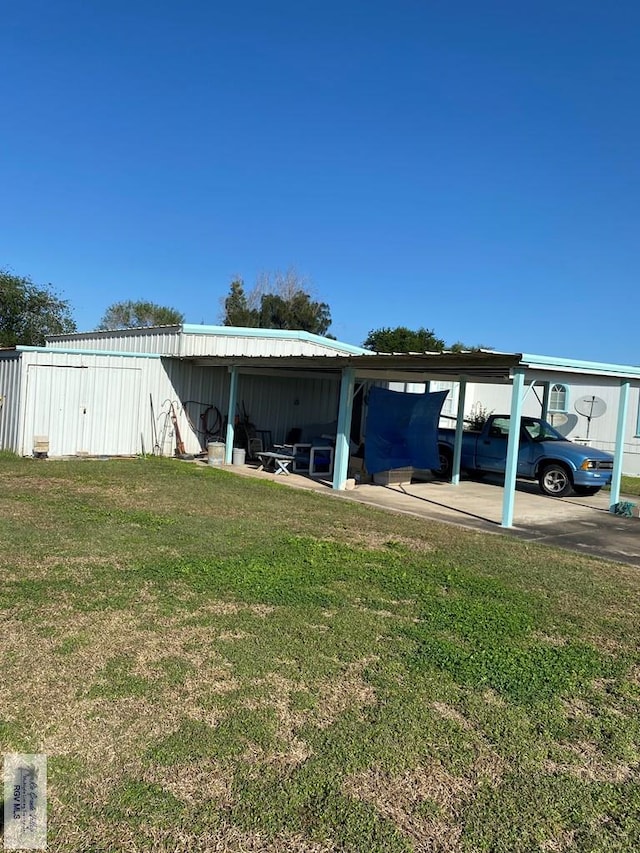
point(475, 366)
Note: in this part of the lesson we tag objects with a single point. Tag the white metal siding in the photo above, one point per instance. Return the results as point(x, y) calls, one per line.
point(191, 389)
point(10, 376)
point(163, 341)
point(278, 404)
point(250, 345)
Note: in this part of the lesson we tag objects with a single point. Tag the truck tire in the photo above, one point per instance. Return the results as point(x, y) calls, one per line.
point(554, 480)
point(446, 464)
point(586, 491)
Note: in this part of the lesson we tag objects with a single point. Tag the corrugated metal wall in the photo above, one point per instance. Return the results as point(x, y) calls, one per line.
point(280, 403)
point(102, 404)
point(10, 373)
point(84, 404)
point(250, 345)
point(163, 342)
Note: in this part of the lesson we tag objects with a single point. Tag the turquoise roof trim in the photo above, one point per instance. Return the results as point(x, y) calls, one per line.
point(284, 334)
point(574, 364)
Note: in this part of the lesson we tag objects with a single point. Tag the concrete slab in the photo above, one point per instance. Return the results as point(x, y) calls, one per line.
point(579, 524)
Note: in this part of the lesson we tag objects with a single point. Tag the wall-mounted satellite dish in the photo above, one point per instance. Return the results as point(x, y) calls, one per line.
point(564, 423)
point(590, 407)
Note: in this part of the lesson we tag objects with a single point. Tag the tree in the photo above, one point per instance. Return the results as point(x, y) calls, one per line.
point(28, 313)
point(402, 339)
point(278, 301)
point(136, 315)
point(237, 309)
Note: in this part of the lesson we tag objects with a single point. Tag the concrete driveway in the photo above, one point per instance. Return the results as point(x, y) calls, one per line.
point(576, 523)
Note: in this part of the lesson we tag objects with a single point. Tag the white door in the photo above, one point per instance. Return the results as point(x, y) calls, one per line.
point(83, 410)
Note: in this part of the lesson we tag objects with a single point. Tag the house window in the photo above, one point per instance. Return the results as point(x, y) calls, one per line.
point(450, 406)
point(558, 398)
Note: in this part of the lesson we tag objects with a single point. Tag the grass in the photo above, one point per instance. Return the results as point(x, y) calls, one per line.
point(216, 663)
point(630, 486)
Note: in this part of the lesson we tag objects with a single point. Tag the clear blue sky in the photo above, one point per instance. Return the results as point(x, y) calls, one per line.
point(470, 167)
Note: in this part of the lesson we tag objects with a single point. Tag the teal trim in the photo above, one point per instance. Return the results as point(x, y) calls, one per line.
point(457, 442)
point(112, 353)
point(283, 334)
point(233, 396)
point(528, 360)
point(513, 445)
point(616, 478)
point(345, 411)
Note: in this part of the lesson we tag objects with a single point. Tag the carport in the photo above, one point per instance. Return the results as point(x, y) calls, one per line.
point(520, 371)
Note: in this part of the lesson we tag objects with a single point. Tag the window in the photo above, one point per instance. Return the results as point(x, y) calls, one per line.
point(558, 398)
point(450, 406)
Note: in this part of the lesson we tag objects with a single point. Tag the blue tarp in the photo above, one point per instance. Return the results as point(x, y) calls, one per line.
point(402, 430)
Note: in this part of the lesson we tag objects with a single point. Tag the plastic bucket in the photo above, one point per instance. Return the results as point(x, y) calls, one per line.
point(215, 452)
point(239, 455)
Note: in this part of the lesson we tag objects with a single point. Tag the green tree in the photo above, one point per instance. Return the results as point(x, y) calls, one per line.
point(401, 339)
point(237, 311)
point(140, 314)
point(278, 301)
point(28, 313)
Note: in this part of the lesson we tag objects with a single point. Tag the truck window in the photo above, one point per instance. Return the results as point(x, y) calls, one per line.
point(499, 428)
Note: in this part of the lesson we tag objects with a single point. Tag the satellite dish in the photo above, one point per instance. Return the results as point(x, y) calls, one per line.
point(591, 407)
point(564, 423)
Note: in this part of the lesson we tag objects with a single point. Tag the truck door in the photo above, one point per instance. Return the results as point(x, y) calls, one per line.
point(491, 448)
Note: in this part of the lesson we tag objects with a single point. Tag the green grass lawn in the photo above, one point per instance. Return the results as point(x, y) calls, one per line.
point(630, 486)
point(216, 663)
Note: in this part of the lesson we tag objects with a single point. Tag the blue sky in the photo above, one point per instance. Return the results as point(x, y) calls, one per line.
point(473, 168)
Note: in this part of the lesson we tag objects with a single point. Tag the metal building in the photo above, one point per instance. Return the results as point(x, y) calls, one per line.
point(114, 392)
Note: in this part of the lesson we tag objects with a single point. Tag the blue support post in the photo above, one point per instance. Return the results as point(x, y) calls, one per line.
point(616, 479)
point(345, 411)
point(233, 395)
point(457, 443)
point(513, 445)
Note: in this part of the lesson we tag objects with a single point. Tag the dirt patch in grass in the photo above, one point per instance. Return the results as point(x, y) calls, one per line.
point(450, 713)
point(195, 782)
point(371, 539)
point(149, 838)
point(345, 691)
point(422, 803)
point(589, 764)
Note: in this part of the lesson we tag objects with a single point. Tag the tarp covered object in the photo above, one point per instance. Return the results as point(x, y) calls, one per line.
point(402, 430)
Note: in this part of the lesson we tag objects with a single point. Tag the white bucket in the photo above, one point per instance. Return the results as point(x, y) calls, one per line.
point(239, 455)
point(215, 452)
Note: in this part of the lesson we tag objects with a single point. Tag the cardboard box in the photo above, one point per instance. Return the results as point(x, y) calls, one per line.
point(394, 477)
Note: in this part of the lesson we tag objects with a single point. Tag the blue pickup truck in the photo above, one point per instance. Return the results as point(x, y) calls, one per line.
point(560, 466)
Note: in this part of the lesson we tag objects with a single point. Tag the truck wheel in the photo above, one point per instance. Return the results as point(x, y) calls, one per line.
point(446, 464)
point(586, 491)
point(555, 480)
